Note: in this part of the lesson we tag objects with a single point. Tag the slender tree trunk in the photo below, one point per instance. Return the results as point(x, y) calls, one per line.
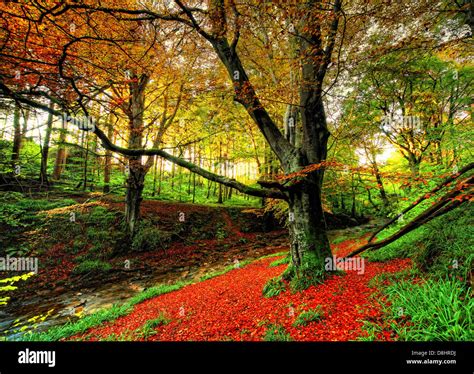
point(194, 187)
point(137, 171)
point(135, 185)
point(380, 186)
point(45, 149)
point(108, 160)
point(61, 154)
point(155, 171)
point(85, 169)
point(160, 178)
point(219, 199)
point(414, 164)
point(173, 172)
point(17, 137)
point(26, 117)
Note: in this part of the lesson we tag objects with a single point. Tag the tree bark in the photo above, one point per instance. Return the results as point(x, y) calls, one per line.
point(108, 160)
point(61, 154)
point(309, 244)
point(137, 172)
point(45, 150)
point(17, 137)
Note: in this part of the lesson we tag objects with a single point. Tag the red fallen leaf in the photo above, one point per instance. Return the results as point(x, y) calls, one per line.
point(231, 306)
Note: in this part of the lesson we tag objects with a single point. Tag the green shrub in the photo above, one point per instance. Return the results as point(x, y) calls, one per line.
point(92, 266)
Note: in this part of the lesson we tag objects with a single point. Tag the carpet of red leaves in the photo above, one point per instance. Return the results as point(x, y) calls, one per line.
point(231, 307)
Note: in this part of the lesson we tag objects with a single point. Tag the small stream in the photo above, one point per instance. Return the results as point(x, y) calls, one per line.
point(70, 305)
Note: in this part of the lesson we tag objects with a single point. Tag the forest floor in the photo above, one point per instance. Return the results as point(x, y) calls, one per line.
point(187, 258)
point(231, 307)
point(226, 307)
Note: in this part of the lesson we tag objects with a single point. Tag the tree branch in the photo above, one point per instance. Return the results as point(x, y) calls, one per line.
point(446, 204)
point(424, 197)
point(106, 143)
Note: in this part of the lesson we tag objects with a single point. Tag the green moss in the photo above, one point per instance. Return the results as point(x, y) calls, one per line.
point(311, 272)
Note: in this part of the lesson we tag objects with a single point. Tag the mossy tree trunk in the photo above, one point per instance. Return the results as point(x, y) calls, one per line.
point(309, 244)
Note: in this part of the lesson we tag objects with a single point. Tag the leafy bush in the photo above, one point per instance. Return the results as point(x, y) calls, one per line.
point(221, 233)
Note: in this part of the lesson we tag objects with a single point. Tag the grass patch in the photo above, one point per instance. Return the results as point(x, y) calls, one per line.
point(311, 315)
point(274, 287)
point(339, 239)
point(149, 327)
point(276, 333)
point(439, 309)
point(281, 261)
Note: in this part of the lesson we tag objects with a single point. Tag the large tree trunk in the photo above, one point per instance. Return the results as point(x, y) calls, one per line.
point(308, 239)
